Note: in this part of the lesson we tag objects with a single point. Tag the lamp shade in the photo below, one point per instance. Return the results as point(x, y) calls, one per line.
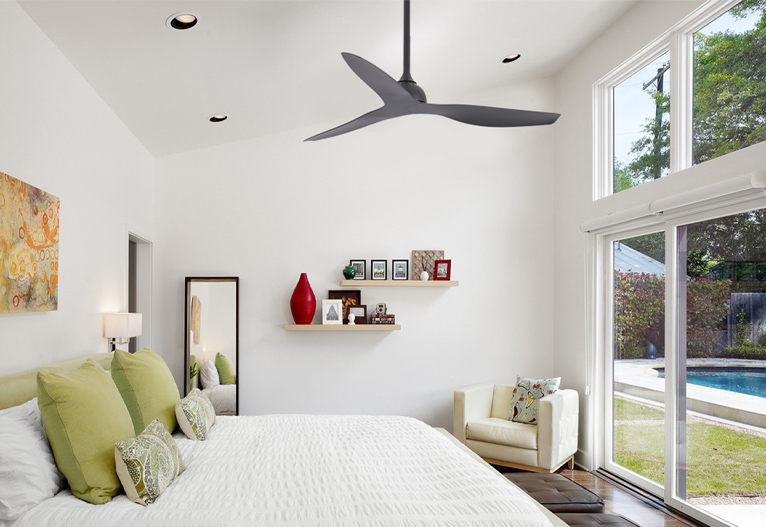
point(122, 325)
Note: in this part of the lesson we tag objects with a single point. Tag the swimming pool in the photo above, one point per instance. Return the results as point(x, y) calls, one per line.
point(750, 381)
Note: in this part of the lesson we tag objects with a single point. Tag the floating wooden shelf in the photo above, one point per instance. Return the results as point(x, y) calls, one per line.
point(399, 283)
point(344, 327)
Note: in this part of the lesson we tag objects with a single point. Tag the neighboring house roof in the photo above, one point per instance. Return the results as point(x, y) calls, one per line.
point(627, 259)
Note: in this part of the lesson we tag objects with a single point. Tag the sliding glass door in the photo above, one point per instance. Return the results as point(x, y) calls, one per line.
point(635, 409)
point(719, 374)
point(685, 365)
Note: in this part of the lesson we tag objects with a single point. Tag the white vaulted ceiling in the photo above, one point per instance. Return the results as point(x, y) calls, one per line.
point(275, 65)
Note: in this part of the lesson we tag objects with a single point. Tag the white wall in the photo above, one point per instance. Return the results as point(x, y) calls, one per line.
point(573, 198)
point(57, 134)
point(268, 209)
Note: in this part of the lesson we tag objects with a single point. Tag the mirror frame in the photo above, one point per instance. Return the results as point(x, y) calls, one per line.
point(187, 315)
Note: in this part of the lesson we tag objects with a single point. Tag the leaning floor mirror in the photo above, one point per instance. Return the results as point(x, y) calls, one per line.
point(211, 329)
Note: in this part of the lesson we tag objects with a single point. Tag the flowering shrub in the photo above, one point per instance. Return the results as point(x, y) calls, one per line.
point(639, 314)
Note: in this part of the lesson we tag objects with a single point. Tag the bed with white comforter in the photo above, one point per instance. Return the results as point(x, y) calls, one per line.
point(299, 470)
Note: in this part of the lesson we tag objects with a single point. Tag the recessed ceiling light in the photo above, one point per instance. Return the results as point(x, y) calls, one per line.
point(182, 21)
point(218, 118)
point(511, 58)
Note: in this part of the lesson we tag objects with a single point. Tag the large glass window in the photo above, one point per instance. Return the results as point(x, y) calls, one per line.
point(730, 82)
point(641, 126)
point(720, 107)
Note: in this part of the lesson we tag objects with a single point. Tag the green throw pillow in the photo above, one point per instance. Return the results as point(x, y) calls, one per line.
point(147, 386)
point(195, 415)
point(226, 370)
point(526, 397)
point(148, 463)
point(84, 416)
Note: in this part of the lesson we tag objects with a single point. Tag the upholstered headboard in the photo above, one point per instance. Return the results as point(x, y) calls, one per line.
point(21, 387)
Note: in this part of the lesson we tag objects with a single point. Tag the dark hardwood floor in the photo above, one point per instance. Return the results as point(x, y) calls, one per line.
point(622, 500)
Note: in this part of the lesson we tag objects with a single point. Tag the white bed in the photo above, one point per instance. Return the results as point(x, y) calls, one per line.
point(315, 470)
point(306, 470)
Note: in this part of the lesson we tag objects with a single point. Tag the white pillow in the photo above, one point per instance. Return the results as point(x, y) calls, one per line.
point(209, 376)
point(28, 471)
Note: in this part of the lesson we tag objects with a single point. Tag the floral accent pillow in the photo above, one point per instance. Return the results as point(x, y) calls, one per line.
point(196, 415)
point(526, 395)
point(148, 463)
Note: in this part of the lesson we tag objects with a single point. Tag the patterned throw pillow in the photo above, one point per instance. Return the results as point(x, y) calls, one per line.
point(526, 395)
point(148, 463)
point(195, 415)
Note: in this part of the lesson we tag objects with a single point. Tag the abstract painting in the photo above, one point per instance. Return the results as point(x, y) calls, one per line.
point(29, 247)
point(196, 314)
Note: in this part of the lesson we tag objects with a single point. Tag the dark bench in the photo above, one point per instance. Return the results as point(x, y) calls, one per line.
point(557, 493)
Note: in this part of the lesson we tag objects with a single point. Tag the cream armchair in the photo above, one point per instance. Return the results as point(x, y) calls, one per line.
point(481, 422)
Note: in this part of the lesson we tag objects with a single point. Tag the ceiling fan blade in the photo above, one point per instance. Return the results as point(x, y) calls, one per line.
point(375, 116)
point(378, 80)
point(487, 115)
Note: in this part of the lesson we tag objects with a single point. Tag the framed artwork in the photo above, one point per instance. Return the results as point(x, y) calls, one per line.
point(424, 261)
point(348, 298)
point(332, 311)
point(29, 247)
point(378, 269)
point(399, 269)
point(361, 269)
point(442, 269)
point(360, 312)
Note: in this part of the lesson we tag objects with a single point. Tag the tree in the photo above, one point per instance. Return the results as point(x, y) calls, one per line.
point(730, 87)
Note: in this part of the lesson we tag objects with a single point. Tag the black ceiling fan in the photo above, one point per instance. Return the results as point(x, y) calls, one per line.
point(405, 97)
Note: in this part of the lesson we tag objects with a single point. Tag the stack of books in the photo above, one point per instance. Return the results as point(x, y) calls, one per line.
point(382, 319)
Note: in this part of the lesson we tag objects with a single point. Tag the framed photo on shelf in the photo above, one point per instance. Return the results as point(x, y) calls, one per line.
point(442, 269)
point(348, 298)
point(378, 269)
point(400, 269)
point(360, 312)
point(361, 269)
point(332, 311)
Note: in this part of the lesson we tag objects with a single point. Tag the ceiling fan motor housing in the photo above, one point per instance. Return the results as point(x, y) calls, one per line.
point(413, 89)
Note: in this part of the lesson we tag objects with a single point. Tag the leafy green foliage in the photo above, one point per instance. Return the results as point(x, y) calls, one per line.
point(639, 314)
point(730, 88)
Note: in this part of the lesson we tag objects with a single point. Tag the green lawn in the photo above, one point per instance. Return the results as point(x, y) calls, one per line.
point(720, 461)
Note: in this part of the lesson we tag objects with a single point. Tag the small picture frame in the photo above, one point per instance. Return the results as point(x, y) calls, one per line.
point(360, 312)
point(332, 312)
point(348, 298)
point(361, 269)
point(442, 269)
point(400, 269)
point(378, 269)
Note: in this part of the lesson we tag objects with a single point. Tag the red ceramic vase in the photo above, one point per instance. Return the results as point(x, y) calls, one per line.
point(303, 303)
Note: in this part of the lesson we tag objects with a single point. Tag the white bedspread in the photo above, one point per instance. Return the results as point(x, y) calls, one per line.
point(315, 470)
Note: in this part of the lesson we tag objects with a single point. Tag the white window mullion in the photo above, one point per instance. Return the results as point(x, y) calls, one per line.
point(681, 104)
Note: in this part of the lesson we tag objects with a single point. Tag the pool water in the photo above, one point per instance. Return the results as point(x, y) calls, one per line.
point(750, 381)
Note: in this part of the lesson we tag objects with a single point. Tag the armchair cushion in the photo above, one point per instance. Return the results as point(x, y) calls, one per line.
point(502, 432)
point(526, 397)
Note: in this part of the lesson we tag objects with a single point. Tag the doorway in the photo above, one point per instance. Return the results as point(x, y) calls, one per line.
point(140, 287)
